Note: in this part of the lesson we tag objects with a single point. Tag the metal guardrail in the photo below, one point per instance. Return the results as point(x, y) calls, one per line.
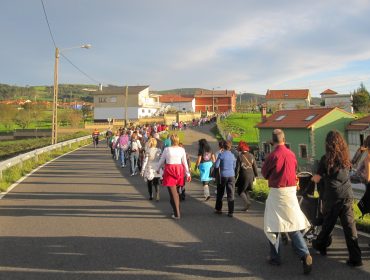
point(4, 165)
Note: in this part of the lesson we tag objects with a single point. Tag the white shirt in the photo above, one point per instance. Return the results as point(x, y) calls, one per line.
point(174, 155)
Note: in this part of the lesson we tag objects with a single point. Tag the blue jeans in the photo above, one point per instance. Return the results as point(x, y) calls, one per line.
point(298, 242)
point(133, 160)
point(122, 156)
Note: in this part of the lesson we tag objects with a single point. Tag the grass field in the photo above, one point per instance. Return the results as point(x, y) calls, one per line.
point(14, 147)
point(242, 127)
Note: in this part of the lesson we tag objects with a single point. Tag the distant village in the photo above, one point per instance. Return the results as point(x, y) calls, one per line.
point(305, 124)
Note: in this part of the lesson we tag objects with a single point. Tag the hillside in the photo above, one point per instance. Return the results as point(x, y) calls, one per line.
point(66, 92)
point(179, 91)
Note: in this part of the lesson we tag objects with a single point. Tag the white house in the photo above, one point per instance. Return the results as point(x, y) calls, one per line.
point(333, 99)
point(180, 103)
point(288, 99)
point(111, 103)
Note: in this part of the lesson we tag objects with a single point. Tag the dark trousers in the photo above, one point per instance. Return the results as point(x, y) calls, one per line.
point(172, 202)
point(229, 184)
point(342, 208)
point(151, 183)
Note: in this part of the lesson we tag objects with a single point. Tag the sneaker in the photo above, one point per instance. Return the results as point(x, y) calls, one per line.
point(230, 215)
point(307, 264)
point(132, 174)
point(174, 217)
point(354, 263)
point(151, 198)
point(207, 198)
point(219, 212)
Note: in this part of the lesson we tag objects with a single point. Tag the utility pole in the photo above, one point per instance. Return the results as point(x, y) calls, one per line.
point(126, 113)
point(54, 132)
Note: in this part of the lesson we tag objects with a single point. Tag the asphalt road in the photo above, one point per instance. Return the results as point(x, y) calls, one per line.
point(83, 217)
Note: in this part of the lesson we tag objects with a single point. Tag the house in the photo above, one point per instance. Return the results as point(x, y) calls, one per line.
point(180, 103)
point(333, 99)
point(357, 132)
point(286, 99)
point(218, 101)
point(305, 131)
point(110, 103)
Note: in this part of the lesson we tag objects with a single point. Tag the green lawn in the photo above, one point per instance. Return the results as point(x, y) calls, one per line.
point(242, 127)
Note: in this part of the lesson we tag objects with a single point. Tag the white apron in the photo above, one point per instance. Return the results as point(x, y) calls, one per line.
point(282, 213)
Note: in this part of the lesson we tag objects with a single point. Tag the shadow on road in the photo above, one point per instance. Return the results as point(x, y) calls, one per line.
point(221, 247)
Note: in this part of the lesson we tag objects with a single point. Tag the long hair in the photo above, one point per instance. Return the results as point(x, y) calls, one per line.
point(204, 147)
point(337, 152)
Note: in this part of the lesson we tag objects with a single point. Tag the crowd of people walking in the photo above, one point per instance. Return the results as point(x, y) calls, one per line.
point(163, 161)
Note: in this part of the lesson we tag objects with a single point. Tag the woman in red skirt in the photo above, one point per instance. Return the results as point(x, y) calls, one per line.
point(175, 169)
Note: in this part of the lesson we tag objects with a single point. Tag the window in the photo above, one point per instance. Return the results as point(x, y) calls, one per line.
point(279, 118)
point(143, 110)
point(102, 100)
point(113, 99)
point(310, 117)
point(184, 109)
point(303, 153)
point(267, 148)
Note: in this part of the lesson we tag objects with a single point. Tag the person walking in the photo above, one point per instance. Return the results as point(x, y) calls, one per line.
point(123, 141)
point(246, 173)
point(205, 162)
point(150, 167)
point(226, 161)
point(135, 147)
point(282, 211)
point(95, 137)
point(175, 168)
point(337, 197)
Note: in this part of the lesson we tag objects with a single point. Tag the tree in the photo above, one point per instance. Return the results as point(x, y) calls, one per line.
point(7, 115)
point(361, 99)
point(24, 118)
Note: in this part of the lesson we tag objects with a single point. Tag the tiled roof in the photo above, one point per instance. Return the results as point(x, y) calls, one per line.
point(329, 91)
point(302, 118)
point(287, 94)
point(359, 124)
point(174, 98)
point(214, 93)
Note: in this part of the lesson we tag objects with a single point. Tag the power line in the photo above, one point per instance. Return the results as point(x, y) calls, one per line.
point(55, 45)
point(84, 73)
point(47, 21)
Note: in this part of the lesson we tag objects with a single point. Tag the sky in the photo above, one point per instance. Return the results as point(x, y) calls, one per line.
point(244, 45)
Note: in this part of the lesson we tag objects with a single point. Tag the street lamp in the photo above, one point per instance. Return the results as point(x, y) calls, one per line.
point(54, 133)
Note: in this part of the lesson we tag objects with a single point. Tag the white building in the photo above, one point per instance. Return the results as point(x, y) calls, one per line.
point(287, 99)
point(178, 102)
point(333, 99)
point(111, 103)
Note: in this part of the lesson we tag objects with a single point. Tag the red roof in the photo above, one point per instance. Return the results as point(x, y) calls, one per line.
point(329, 91)
point(359, 124)
point(168, 98)
point(302, 118)
point(215, 93)
point(287, 94)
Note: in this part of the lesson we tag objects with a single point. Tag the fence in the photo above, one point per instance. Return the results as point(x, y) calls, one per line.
point(18, 160)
